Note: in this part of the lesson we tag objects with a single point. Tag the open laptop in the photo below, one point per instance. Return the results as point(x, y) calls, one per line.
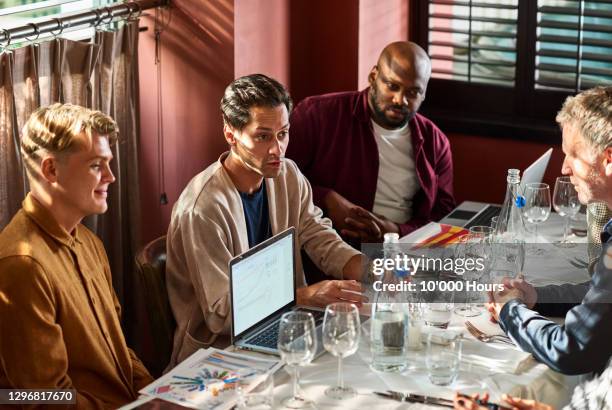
point(470, 214)
point(262, 288)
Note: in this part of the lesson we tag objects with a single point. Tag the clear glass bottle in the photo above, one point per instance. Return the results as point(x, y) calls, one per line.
point(389, 321)
point(510, 229)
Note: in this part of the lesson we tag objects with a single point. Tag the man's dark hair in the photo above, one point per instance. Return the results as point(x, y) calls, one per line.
point(255, 90)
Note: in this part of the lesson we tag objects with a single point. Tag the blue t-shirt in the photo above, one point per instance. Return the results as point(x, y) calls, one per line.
point(256, 214)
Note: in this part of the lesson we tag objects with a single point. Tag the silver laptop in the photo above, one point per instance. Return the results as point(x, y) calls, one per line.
point(262, 288)
point(470, 214)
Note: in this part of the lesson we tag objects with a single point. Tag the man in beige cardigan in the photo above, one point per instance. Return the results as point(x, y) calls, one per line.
point(251, 193)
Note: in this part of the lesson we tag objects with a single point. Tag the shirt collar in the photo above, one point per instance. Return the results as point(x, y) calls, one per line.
point(45, 220)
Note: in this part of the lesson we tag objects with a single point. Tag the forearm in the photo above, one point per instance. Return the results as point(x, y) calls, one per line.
point(557, 300)
point(580, 346)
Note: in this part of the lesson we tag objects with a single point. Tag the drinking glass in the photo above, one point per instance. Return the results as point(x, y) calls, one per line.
point(297, 344)
point(494, 223)
point(537, 208)
point(476, 245)
point(566, 203)
point(443, 356)
point(438, 310)
point(255, 389)
point(341, 330)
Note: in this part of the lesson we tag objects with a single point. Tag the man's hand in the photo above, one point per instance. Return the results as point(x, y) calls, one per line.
point(529, 293)
point(367, 226)
point(497, 300)
point(325, 292)
point(523, 404)
point(354, 222)
point(337, 208)
point(462, 402)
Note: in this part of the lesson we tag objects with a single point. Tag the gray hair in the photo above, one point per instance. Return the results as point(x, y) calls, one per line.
point(591, 113)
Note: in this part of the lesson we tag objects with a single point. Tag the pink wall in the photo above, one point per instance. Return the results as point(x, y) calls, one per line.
point(481, 164)
point(197, 64)
point(262, 38)
point(312, 46)
point(380, 23)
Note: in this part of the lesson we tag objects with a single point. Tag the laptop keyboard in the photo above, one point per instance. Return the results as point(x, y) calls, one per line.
point(484, 217)
point(269, 337)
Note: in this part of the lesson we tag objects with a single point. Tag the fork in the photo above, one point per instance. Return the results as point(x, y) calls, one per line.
point(579, 263)
point(483, 337)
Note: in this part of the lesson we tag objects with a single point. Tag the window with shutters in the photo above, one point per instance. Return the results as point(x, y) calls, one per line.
point(504, 67)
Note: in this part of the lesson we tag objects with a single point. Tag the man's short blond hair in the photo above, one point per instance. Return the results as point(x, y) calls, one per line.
point(591, 113)
point(55, 128)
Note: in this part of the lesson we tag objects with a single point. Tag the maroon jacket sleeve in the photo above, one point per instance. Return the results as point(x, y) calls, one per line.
point(303, 140)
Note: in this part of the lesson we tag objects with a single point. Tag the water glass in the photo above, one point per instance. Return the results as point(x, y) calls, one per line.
point(493, 224)
point(537, 208)
point(476, 245)
point(438, 314)
point(443, 356)
point(566, 203)
point(415, 312)
point(341, 331)
point(297, 344)
point(255, 389)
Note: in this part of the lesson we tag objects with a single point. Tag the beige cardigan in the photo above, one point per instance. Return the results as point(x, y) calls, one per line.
point(208, 229)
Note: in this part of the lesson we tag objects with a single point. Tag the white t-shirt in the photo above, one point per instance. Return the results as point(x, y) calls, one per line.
point(397, 180)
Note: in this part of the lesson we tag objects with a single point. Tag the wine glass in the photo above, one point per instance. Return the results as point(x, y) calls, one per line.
point(297, 344)
point(566, 203)
point(474, 246)
point(341, 330)
point(537, 208)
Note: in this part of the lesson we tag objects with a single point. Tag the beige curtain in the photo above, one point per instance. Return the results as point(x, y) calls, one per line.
point(102, 75)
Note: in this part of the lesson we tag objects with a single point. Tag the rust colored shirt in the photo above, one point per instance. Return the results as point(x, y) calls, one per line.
point(59, 315)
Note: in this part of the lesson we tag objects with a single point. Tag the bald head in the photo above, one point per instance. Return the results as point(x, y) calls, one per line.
point(398, 83)
point(408, 57)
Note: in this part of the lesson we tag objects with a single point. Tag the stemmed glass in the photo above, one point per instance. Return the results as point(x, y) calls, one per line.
point(537, 208)
point(341, 330)
point(297, 344)
point(566, 203)
point(475, 245)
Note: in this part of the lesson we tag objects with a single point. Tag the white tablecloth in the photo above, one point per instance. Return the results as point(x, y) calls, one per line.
point(494, 367)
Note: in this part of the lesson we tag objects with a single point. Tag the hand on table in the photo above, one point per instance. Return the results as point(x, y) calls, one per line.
point(513, 289)
point(529, 293)
point(355, 222)
point(367, 226)
point(462, 402)
point(497, 300)
point(325, 292)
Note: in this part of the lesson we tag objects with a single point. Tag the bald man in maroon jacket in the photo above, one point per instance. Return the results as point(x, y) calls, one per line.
point(375, 164)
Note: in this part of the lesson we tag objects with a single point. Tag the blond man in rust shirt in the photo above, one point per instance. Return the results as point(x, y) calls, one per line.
point(59, 316)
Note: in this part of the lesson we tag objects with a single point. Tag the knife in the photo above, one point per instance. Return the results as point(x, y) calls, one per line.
point(415, 398)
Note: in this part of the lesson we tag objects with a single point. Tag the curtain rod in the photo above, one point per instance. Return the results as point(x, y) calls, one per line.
point(87, 18)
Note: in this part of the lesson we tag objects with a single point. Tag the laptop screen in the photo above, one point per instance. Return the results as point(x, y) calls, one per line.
point(262, 281)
